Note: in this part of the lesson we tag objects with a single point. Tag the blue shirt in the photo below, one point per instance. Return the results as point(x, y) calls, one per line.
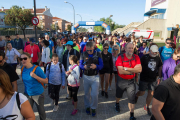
point(32, 86)
point(110, 50)
point(51, 44)
point(165, 53)
point(82, 44)
point(55, 76)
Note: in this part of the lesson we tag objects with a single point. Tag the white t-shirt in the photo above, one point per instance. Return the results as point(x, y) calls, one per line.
point(46, 55)
point(11, 54)
point(11, 108)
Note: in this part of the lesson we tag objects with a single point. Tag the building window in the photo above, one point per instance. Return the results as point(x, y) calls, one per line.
point(159, 16)
point(40, 17)
point(157, 34)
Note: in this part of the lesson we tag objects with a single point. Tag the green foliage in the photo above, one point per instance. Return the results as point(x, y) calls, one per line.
point(81, 29)
point(18, 17)
point(53, 27)
point(107, 21)
point(69, 27)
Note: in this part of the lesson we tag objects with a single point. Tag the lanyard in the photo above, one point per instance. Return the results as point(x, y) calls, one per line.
point(32, 49)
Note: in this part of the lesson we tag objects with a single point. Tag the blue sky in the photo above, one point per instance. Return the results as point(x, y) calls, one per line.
point(123, 11)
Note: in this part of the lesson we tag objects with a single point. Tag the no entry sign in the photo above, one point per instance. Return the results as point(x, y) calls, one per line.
point(35, 21)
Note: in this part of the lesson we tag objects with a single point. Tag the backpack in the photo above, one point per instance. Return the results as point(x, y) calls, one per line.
point(122, 59)
point(33, 72)
point(74, 78)
point(60, 66)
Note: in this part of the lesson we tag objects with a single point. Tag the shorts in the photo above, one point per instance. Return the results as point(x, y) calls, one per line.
point(103, 71)
point(147, 85)
point(20, 51)
point(128, 86)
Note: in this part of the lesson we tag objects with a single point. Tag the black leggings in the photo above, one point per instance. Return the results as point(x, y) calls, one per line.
point(53, 92)
point(73, 92)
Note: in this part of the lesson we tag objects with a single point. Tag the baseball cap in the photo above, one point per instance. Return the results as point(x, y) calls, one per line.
point(31, 39)
point(84, 38)
point(69, 43)
point(154, 48)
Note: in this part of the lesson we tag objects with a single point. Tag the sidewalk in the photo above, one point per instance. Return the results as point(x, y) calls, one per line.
point(105, 111)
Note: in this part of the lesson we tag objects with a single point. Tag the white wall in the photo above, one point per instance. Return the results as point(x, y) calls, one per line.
point(163, 5)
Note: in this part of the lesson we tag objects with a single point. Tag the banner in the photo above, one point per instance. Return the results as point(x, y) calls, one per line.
point(156, 2)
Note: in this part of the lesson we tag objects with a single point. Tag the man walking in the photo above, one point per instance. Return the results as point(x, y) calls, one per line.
point(127, 65)
point(151, 63)
point(18, 44)
point(91, 62)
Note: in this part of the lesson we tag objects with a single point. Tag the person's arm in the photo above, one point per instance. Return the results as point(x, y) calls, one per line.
point(42, 80)
point(100, 65)
point(156, 109)
point(63, 76)
point(47, 55)
point(136, 69)
point(17, 53)
point(53, 49)
point(75, 72)
point(111, 63)
point(165, 68)
point(122, 71)
point(39, 57)
point(26, 111)
point(14, 85)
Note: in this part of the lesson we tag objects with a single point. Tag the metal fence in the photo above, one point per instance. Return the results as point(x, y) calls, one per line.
point(20, 32)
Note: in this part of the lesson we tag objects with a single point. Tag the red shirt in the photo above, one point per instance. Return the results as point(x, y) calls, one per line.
point(33, 49)
point(130, 64)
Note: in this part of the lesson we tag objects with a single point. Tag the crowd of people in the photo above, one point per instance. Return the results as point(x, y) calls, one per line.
point(95, 58)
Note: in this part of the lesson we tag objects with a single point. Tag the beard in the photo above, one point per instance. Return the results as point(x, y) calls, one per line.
point(153, 55)
point(128, 53)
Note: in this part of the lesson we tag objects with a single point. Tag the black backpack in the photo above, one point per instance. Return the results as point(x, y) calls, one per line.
point(60, 66)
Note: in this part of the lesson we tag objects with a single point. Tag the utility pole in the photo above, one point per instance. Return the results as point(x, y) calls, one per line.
point(35, 16)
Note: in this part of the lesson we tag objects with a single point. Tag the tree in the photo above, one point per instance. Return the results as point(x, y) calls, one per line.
point(54, 27)
point(69, 27)
point(16, 16)
point(81, 29)
point(107, 21)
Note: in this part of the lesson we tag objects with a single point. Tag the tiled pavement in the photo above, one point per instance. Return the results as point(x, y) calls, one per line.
point(105, 111)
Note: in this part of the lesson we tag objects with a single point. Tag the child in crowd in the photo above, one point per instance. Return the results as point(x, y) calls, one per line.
point(73, 81)
point(56, 77)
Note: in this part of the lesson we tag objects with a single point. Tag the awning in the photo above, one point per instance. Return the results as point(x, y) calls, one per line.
point(154, 10)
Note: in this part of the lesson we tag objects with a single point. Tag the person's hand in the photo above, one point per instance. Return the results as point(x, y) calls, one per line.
point(70, 70)
point(63, 87)
point(33, 75)
point(6, 58)
point(136, 79)
point(158, 81)
point(85, 67)
point(45, 86)
point(93, 66)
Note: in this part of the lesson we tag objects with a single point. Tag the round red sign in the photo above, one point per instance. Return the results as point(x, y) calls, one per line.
point(35, 21)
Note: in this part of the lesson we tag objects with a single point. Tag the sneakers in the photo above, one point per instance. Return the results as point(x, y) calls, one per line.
point(67, 97)
point(136, 99)
point(52, 103)
point(88, 111)
point(109, 88)
point(56, 108)
point(106, 94)
point(132, 118)
point(148, 110)
point(102, 93)
point(117, 107)
point(74, 112)
point(93, 112)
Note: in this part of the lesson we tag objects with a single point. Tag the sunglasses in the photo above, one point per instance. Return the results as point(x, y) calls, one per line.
point(21, 59)
point(89, 50)
point(168, 42)
point(106, 48)
point(115, 49)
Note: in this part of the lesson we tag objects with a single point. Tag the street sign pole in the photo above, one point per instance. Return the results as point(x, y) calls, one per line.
point(35, 16)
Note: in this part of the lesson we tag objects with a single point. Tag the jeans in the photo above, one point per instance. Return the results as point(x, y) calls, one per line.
point(91, 83)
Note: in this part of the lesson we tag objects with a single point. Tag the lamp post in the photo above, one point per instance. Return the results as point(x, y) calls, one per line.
point(81, 20)
point(109, 19)
point(93, 26)
point(73, 9)
point(35, 16)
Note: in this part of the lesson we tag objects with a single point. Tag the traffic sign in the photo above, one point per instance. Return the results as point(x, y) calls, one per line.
point(35, 21)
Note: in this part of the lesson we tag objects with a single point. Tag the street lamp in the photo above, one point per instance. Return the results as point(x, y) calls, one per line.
point(93, 26)
point(81, 20)
point(109, 19)
point(73, 9)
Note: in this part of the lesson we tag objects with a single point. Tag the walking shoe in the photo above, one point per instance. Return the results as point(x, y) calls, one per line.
point(136, 99)
point(52, 103)
point(88, 111)
point(106, 94)
point(102, 93)
point(148, 110)
point(117, 107)
point(109, 88)
point(67, 97)
point(56, 108)
point(74, 112)
point(93, 112)
point(132, 118)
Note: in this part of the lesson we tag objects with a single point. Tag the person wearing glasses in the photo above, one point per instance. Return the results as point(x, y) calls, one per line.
point(170, 64)
point(91, 62)
point(166, 51)
point(11, 55)
point(33, 81)
point(106, 70)
point(115, 53)
point(9, 70)
point(151, 63)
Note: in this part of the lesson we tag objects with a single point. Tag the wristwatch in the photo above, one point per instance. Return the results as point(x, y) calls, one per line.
point(125, 69)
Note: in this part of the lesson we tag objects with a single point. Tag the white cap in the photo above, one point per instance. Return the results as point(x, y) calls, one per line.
point(99, 41)
point(84, 38)
point(154, 48)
